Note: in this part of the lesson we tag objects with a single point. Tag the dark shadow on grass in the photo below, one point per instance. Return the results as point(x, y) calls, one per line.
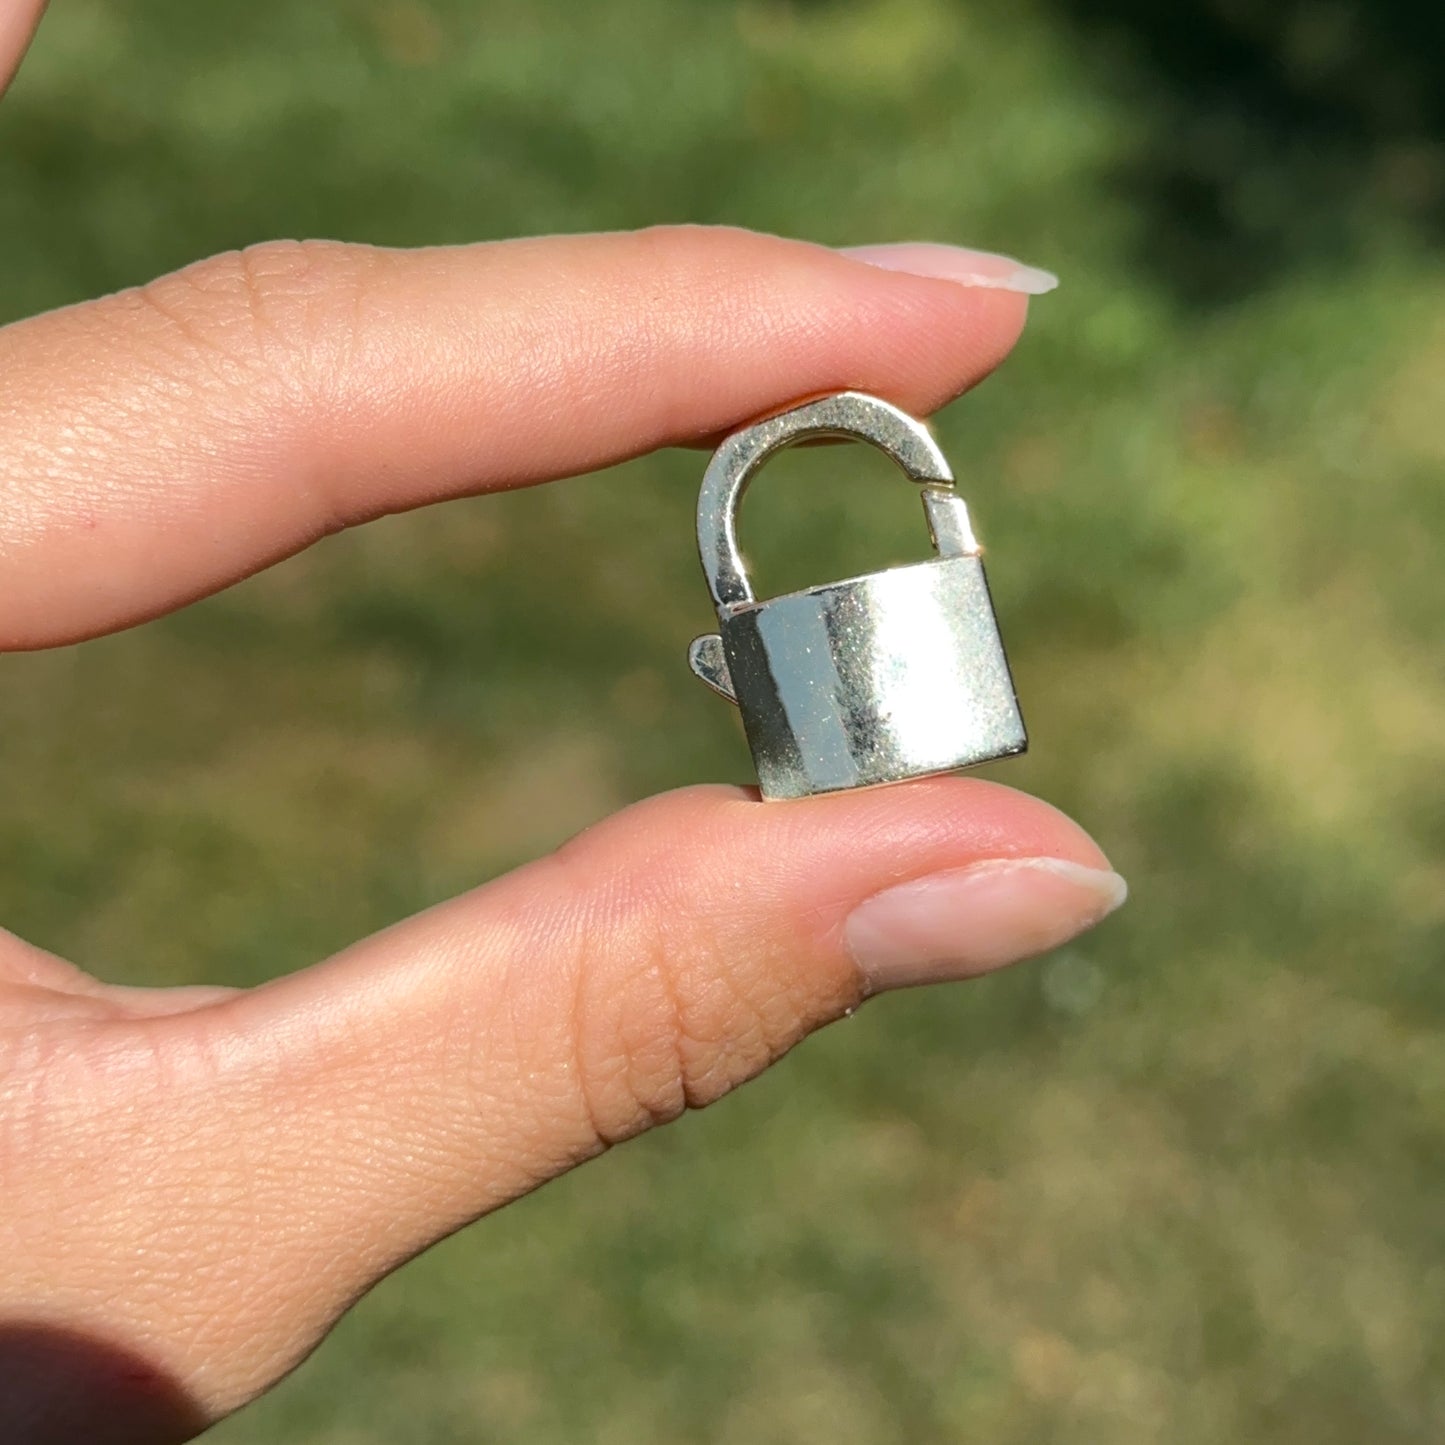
point(62, 1388)
point(1273, 135)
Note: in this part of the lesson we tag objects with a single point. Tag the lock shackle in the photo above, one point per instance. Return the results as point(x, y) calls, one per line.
point(849, 415)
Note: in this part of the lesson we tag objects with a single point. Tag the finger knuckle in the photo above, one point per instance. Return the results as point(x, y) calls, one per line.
point(279, 307)
point(667, 1017)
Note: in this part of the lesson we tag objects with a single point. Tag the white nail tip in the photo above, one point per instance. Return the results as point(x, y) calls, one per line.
point(1111, 887)
point(1029, 280)
point(985, 269)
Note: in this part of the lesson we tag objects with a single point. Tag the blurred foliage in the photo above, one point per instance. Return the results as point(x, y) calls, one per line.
point(1281, 133)
point(1183, 1181)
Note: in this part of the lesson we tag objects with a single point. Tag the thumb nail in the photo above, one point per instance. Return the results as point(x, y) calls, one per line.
point(955, 263)
point(971, 920)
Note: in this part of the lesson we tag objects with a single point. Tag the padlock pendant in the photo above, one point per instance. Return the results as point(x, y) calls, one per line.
point(876, 679)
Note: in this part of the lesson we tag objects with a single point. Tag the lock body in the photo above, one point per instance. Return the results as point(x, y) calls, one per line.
point(895, 675)
point(871, 680)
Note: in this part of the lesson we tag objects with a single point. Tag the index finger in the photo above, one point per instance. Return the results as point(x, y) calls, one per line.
point(173, 438)
point(18, 19)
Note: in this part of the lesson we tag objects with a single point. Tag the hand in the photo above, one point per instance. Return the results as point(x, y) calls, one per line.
point(196, 1183)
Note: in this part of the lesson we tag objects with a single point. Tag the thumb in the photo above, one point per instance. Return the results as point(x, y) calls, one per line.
point(314, 1133)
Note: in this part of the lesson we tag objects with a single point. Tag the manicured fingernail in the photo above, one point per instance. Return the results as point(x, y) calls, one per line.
point(954, 263)
point(971, 920)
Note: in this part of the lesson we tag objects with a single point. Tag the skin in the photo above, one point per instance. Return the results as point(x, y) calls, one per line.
point(197, 1183)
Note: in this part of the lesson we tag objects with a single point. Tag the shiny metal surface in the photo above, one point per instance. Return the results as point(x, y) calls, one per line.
point(874, 679)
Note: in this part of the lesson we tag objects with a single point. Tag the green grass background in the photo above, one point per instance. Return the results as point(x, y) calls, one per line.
point(1182, 1181)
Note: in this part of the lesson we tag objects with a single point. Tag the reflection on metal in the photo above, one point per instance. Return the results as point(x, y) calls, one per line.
point(872, 680)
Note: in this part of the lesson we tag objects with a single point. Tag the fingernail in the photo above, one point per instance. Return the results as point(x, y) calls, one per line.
point(954, 263)
point(971, 920)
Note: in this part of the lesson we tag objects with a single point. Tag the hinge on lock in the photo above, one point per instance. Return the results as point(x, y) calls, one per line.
point(710, 663)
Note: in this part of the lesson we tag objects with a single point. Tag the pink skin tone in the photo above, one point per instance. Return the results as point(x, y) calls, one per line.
point(199, 1182)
